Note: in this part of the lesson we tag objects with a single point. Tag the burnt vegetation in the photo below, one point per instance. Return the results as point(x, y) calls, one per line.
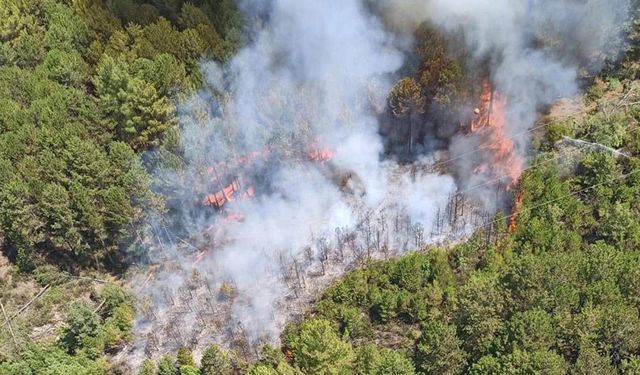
point(551, 286)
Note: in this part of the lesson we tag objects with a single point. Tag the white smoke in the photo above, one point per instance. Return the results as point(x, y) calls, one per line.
point(316, 73)
point(534, 50)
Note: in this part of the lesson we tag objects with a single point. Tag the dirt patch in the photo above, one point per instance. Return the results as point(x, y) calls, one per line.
point(565, 108)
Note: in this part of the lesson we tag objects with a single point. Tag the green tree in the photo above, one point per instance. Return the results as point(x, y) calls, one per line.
point(52, 360)
point(189, 370)
point(192, 17)
point(438, 350)
point(531, 330)
point(319, 350)
point(147, 368)
point(539, 362)
point(167, 366)
point(412, 272)
point(215, 362)
point(367, 360)
point(81, 326)
point(481, 305)
point(394, 363)
point(66, 68)
point(591, 362)
point(406, 96)
point(184, 357)
point(631, 366)
point(282, 368)
point(140, 115)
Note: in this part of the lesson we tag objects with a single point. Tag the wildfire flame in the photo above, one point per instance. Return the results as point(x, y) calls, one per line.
point(517, 204)
point(216, 235)
point(490, 124)
point(232, 187)
point(318, 154)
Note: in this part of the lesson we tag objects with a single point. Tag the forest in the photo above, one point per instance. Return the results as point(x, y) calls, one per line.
point(88, 104)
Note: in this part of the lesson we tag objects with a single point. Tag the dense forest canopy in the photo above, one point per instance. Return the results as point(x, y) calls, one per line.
point(87, 88)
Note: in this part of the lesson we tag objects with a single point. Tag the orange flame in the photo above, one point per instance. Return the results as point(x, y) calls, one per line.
point(218, 199)
point(490, 123)
point(319, 154)
point(517, 205)
point(215, 234)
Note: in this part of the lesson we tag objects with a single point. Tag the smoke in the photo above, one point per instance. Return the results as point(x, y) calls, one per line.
point(316, 75)
point(534, 50)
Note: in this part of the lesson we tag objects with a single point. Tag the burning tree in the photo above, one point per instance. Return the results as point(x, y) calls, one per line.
point(490, 125)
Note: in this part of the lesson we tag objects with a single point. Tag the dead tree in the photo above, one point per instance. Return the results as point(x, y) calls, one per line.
point(302, 284)
point(418, 235)
point(211, 296)
point(367, 233)
point(308, 256)
point(168, 295)
point(242, 341)
point(151, 344)
point(340, 242)
point(385, 251)
point(323, 253)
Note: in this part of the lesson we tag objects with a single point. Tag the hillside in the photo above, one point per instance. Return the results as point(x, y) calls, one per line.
point(283, 188)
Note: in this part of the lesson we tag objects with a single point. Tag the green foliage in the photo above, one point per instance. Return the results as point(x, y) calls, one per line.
point(410, 272)
point(75, 76)
point(147, 368)
point(367, 360)
point(66, 68)
point(521, 362)
point(595, 92)
point(48, 274)
point(189, 370)
point(591, 362)
point(85, 87)
point(138, 113)
point(117, 327)
point(52, 361)
point(531, 330)
point(317, 349)
point(167, 366)
point(394, 363)
point(557, 130)
point(281, 368)
point(557, 295)
point(405, 96)
point(81, 328)
point(438, 350)
point(184, 357)
point(215, 362)
point(115, 296)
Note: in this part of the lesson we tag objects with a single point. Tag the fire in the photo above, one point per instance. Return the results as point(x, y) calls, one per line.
point(231, 187)
point(319, 154)
point(216, 236)
point(513, 220)
point(226, 194)
point(490, 124)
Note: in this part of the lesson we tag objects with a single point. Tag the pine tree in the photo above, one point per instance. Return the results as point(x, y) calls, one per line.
point(319, 350)
point(215, 362)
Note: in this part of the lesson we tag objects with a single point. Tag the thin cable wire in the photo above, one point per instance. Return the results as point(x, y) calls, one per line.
point(562, 197)
point(480, 148)
point(500, 178)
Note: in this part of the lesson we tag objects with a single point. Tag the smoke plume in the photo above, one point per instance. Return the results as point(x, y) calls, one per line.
point(533, 49)
point(315, 75)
